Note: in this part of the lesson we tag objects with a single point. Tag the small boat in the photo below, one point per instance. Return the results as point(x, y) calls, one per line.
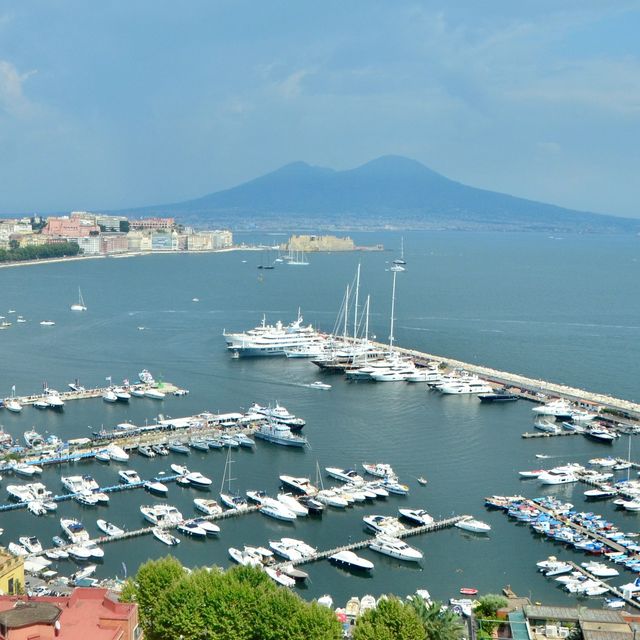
point(17, 549)
point(199, 445)
point(179, 469)
point(147, 452)
point(116, 453)
point(280, 577)
point(314, 506)
point(531, 474)
point(190, 528)
point(208, 507)
point(154, 394)
point(422, 480)
point(136, 392)
point(47, 323)
point(79, 306)
point(323, 386)
point(155, 487)
point(129, 476)
point(473, 525)
point(159, 449)
point(468, 591)
point(122, 394)
point(21, 319)
point(210, 528)
point(350, 560)
point(395, 548)
point(244, 440)
point(178, 447)
point(164, 536)
point(109, 396)
point(109, 528)
point(30, 543)
point(196, 479)
point(103, 456)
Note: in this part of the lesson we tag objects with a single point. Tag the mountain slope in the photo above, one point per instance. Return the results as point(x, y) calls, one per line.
point(390, 190)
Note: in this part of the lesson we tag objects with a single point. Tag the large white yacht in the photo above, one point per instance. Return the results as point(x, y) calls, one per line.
point(559, 409)
point(29, 492)
point(79, 484)
point(273, 340)
point(395, 548)
point(161, 514)
point(465, 385)
point(301, 485)
point(74, 530)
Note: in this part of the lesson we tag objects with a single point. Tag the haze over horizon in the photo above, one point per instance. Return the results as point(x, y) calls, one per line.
point(116, 105)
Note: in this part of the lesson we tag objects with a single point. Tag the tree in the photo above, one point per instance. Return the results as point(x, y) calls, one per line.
point(390, 620)
point(439, 623)
point(240, 604)
point(487, 609)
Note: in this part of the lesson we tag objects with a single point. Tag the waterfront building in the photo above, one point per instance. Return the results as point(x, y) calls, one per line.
point(86, 613)
point(319, 243)
point(66, 227)
point(89, 245)
point(139, 241)
point(11, 573)
point(152, 224)
point(113, 243)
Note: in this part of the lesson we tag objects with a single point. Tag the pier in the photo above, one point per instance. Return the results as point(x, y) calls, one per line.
point(611, 588)
point(361, 544)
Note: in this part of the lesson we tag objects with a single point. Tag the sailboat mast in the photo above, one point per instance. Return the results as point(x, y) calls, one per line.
point(393, 309)
point(355, 312)
point(366, 322)
point(346, 313)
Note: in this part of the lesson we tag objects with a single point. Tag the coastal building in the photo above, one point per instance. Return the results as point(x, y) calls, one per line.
point(86, 613)
point(138, 241)
point(67, 227)
point(113, 243)
point(89, 245)
point(111, 223)
point(11, 573)
point(152, 224)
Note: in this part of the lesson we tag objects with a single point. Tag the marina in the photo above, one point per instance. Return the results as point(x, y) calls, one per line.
point(410, 426)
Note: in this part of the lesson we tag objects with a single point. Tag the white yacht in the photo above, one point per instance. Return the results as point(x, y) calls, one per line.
point(74, 530)
point(122, 394)
point(30, 543)
point(246, 557)
point(300, 485)
point(12, 404)
point(29, 492)
point(292, 549)
point(417, 516)
point(33, 439)
point(379, 469)
point(53, 399)
point(395, 548)
point(276, 509)
point(278, 433)
point(145, 377)
point(292, 504)
point(345, 475)
point(79, 484)
point(552, 478)
point(164, 536)
point(129, 476)
point(473, 525)
point(24, 469)
point(332, 499)
point(109, 396)
point(190, 528)
point(466, 385)
point(197, 479)
point(154, 394)
point(383, 524)
point(117, 453)
point(559, 409)
point(208, 507)
point(277, 413)
point(350, 560)
point(273, 340)
point(600, 569)
point(161, 514)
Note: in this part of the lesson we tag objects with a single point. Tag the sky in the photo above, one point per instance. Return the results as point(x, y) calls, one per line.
point(114, 104)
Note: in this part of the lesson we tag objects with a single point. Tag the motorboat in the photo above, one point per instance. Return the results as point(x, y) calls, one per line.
point(86, 498)
point(244, 440)
point(37, 508)
point(136, 392)
point(56, 554)
point(109, 396)
point(349, 560)
point(600, 569)
point(395, 548)
point(378, 489)
point(76, 386)
point(318, 384)
point(47, 323)
point(199, 445)
point(557, 478)
point(164, 536)
point(234, 502)
point(109, 528)
point(102, 456)
point(29, 492)
point(246, 557)
point(78, 552)
point(190, 528)
point(80, 305)
point(345, 475)
point(179, 469)
point(600, 494)
point(383, 524)
point(281, 434)
point(531, 474)
point(17, 549)
point(154, 394)
point(24, 469)
point(207, 506)
point(147, 452)
point(292, 504)
point(53, 400)
point(79, 484)
point(196, 479)
point(122, 394)
point(159, 450)
point(257, 496)
point(161, 514)
point(297, 574)
point(33, 439)
point(497, 396)
point(416, 516)
point(156, 487)
point(31, 544)
point(215, 443)
point(299, 485)
point(559, 409)
point(600, 434)
point(11, 404)
point(379, 469)
point(473, 525)
point(277, 575)
point(466, 385)
point(145, 377)
point(94, 550)
point(547, 425)
point(210, 528)
point(275, 509)
point(331, 498)
point(41, 403)
point(229, 441)
point(292, 549)
point(117, 453)
point(279, 414)
point(129, 476)
point(395, 487)
point(315, 507)
point(178, 447)
point(74, 530)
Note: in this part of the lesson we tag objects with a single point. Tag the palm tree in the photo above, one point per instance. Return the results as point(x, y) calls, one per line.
point(439, 623)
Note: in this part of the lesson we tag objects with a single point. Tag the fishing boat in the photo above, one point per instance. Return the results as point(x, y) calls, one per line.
point(80, 305)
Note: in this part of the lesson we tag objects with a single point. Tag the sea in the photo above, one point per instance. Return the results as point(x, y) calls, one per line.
point(561, 308)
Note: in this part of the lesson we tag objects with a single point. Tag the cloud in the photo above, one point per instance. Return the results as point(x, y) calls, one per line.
point(12, 98)
point(291, 86)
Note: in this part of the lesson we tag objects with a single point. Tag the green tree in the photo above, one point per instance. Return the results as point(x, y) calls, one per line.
point(390, 620)
point(239, 604)
point(439, 623)
point(486, 610)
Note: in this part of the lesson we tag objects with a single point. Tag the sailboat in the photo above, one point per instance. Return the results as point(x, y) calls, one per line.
point(11, 404)
point(299, 260)
point(233, 501)
point(79, 306)
point(401, 259)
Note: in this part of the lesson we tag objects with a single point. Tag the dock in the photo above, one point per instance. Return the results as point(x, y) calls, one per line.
point(361, 544)
point(614, 590)
point(95, 392)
